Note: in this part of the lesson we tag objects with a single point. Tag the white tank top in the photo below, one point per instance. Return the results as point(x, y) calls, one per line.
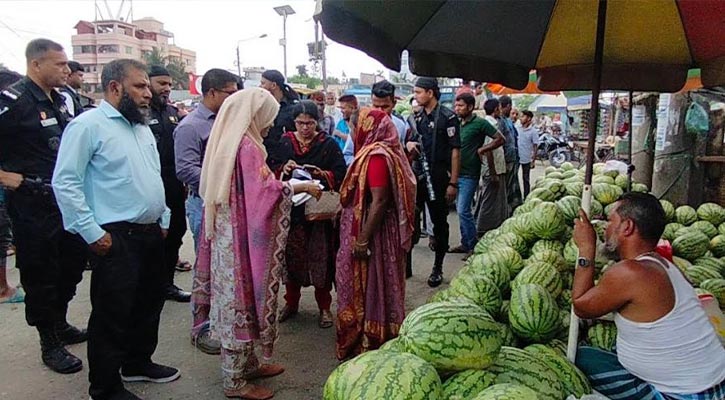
point(679, 353)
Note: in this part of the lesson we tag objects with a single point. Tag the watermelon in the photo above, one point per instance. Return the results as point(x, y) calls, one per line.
point(564, 299)
point(567, 166)
point(528, 206)
point(541, 193)
point(717, 288)
point(613, 173)
point(552, 245)
point(685, 215)
point(571, 377)
point(523, 368)
point(669, 210)
point(393, 345)
point(622, 181)
point(606, 193)
point(712, 263)
point(556, 187)
point(574, 189)
point(544, 275)
point(684, 230)
point(479, 289)
point(503, 315)
point(705, 227)
point(571, 252)
point(441, 295)
point(570, 175)
point(465, 385)
point(597, 209)
point(691, 245)
point(600, 226)
point(559, 346)
point(522, 227)
point(712, 213)
point(549, 170)
point(721, 229)
point(555, 175)
point(717, 245)
point(551, 257)
point(670, 230)
point(533, 313)
point(701, 291)
point(699, 273)
point(605, 179)
point(598, 168)
point(681, 263)
point(514, 241)
point(509, 339)
point(547, 221)
point(493, 266)
point(452, 336)
point(602, 335)
point(569, 206)
point(640, 187)
point(383, 374)
point(507, 391)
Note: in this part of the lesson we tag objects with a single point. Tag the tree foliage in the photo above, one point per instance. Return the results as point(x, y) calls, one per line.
point(176, 67)
point(309, 81)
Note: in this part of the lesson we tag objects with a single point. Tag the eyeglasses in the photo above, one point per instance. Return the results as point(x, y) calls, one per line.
point(229, 92)
point(305, 123)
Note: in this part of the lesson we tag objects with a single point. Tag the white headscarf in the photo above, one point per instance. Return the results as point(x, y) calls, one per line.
point(245, 113)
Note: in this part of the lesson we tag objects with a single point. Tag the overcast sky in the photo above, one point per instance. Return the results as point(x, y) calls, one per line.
point(210, 27)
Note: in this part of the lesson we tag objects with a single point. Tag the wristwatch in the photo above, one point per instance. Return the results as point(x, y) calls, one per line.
point(583, 262)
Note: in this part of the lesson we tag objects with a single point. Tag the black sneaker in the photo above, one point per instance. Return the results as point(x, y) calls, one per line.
point(175, 293)
point(151, 372)
point(436, 277)
point(61, 361)
point(69, 334)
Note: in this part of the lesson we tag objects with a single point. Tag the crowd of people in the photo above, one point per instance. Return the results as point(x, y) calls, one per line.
point(276, 191)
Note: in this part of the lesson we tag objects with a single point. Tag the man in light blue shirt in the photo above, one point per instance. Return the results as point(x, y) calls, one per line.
point(107, 182)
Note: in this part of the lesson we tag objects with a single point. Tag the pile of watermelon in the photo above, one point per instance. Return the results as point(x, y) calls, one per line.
point(499, 330)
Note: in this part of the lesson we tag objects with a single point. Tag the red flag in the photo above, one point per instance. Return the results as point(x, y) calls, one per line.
point(194, 85)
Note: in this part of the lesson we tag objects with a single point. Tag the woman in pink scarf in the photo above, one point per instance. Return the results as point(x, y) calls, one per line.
point(241, 254)
point(376, 228)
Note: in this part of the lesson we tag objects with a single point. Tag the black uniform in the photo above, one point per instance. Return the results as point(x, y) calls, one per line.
point(51, 260)
point(76, 98)
point(282, 123)
point(440, 134)
point(162, 123)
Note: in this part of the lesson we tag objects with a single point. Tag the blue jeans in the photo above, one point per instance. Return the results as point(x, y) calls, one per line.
point(194, 212)
point(466, 189)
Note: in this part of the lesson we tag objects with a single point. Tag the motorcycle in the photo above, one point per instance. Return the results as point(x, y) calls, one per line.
point(556, 149)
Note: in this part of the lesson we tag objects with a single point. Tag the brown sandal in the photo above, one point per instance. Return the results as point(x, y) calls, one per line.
point(249, 392)
point(325, 319)
point(265, 371)
point(287, 313)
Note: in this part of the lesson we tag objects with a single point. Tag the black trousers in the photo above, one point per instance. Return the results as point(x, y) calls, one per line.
point(438, 212)
point(175, 198)
point(51, 260)
point(526, 174)
point(126, 299)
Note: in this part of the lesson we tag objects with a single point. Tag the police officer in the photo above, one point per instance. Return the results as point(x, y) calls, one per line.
point(164, 118)
point(51, 260)
point(71, 88)
point(439, 132)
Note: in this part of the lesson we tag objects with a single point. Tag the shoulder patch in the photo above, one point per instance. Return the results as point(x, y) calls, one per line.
point(10, 95)
point(4, 110)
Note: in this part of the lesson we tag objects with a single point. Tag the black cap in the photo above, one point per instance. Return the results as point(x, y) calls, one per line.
point(426, 83)
point(274, 76)
point(75, 66)
point(158, 70)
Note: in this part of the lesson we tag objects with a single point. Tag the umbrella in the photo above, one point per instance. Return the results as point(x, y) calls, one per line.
point(531, 88)
point(643, 45)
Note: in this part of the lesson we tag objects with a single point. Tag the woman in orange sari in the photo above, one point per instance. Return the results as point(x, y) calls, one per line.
point(376, 229)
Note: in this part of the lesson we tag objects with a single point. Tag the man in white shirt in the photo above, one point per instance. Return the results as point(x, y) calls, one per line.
point(528, 144)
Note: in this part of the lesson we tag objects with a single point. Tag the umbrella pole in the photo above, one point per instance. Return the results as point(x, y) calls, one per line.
point(630, 168)
point(593, 122)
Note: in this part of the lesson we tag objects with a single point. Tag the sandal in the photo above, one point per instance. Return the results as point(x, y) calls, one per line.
point(265, 371)
point(325, 319)
point(183, 266)
point(249, 392)
point(458, 249)
point(17, 297)
point(287, 313)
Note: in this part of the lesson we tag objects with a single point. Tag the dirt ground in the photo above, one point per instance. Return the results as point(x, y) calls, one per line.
point(307, 351)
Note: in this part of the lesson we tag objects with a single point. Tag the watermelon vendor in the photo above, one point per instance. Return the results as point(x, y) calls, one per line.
point(666, 347)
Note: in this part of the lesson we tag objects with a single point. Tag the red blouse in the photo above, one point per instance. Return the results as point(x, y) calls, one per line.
point(378, 175)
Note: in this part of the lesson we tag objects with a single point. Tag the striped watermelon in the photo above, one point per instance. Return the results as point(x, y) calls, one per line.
point(605, 179)
point(466, 385)
point(717, 245)
point(555, 175)
point(685, 215)
point(608, 210)
point(559, 346)
point(550, 257)
point(574, 189)
point(569, 206)
point(571, 252)
point(640, 187)
point(712, 263)
point(514, 241)
point(721, 229)
point(597, 168)
point(555, 186)
point(606, 193)
point(550, 170)
point(383, 374)
point(479, 289)
point(700, 273)
point(621, 181)
point(670, 231)
point(600, 226)
point(691, 245)
point(602, 335)
point(491, 265)
point(669, 210)
point(544, 275)
point(522, 368)
point(705, 227)
point(564, 299)
point(528, 206)
point(570, 175)
point(452, 336)
point(547, 221)
point(533, 313)
point(393, 345)
point(567, 278)
point(567, 166)
point(712, 213)
point(597, 209)
point(573, 379)
point(509, 339)
point(551, 245)
point(503, 315)
point(507, 391)
point(717, 288)
point(681, 263)
point(522, 227)
point(541, 193)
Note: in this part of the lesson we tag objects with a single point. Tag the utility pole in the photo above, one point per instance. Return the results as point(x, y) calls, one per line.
point(284, 11)
point(239, 62)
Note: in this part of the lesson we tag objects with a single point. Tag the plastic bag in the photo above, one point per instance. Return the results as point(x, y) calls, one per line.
point(696, 120)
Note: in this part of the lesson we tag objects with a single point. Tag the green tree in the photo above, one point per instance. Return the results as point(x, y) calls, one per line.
point(333, 80)
point(302, 70)
point(155, 57)
point(309, 81)
point(177, 70)
point(523, 102)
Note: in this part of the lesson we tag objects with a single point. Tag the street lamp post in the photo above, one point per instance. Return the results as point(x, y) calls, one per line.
point(239, 63)
point(284, 11)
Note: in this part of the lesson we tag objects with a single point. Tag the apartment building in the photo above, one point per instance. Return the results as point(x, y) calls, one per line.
point(97, 43)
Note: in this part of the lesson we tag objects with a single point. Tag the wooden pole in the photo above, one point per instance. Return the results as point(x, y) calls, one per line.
point(630, 138)
point(593, 118)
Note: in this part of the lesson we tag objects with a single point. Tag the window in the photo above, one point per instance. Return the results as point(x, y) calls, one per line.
point(108, 48)
point(86, 49)
point(129, 50)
